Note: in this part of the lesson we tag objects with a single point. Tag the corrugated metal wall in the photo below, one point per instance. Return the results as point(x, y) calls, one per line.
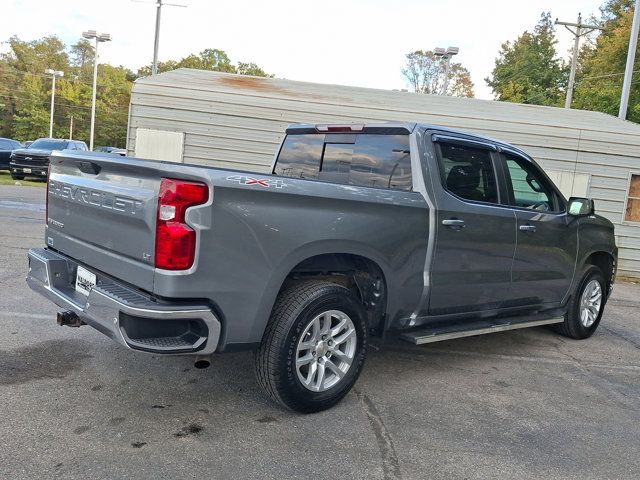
point(237, 122)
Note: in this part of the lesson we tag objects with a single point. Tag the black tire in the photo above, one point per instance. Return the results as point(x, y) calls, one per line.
point(293, 311)
point(17, 177)
point(572, 326)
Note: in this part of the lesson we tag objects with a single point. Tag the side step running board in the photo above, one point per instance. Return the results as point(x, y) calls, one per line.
point(471, 329)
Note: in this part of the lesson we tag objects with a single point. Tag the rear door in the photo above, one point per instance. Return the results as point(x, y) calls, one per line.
point(544, 260)
point(476, 231)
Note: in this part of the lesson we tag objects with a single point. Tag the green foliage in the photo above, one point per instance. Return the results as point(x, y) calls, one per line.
point(30, 117)
point(528, 70)
point(251, 69)
point(208, 59)
point(25, 90)
point(426, 74)
point(599, 83)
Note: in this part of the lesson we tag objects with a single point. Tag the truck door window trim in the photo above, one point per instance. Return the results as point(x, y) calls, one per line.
point(465, 142)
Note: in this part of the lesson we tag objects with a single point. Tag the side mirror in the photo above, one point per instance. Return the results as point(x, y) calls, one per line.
point(580, 207)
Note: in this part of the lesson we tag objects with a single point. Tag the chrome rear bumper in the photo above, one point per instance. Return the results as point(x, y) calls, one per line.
point(126, 315)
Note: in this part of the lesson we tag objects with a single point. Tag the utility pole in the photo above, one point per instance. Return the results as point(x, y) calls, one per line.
point(71, 128)
point(631, 56)
point(446, 55)
point(54, 74)
point(581, 29)
point(156, 41)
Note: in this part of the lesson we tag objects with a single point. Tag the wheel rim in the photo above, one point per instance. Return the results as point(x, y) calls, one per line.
point(325, 350)
point(590, 303)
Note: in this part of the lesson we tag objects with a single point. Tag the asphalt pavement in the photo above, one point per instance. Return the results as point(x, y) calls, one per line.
point(517, 405)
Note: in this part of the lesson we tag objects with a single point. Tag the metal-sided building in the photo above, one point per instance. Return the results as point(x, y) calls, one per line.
point(237, 122)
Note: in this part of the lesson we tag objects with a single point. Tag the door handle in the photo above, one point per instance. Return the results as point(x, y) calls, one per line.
point(454, 223)
point(528, 228)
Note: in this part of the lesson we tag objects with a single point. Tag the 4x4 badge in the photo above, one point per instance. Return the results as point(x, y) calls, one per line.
point(263, 182)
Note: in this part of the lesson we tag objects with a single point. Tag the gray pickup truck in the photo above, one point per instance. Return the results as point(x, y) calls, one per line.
point(360, 232)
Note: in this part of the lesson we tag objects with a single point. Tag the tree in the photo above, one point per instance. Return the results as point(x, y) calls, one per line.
point(426, 74)
point(26, 93)
point(25, 90)
point(31, 117)
point(251, 69)
point(528, 69)
point(599, 84)
point(82, 54)
point(37, 55)
point(209, 59)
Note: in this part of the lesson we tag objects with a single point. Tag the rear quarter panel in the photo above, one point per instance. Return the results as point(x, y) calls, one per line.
point(258, 234)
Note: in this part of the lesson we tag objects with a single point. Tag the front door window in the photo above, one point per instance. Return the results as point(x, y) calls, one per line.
point(530, 189)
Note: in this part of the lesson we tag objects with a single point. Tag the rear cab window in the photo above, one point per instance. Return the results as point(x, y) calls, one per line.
point(362, 159)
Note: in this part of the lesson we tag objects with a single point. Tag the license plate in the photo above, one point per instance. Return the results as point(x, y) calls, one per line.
point(26, 170)
point(85, 280)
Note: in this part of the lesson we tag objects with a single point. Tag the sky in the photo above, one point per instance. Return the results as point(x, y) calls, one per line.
point(347, 42)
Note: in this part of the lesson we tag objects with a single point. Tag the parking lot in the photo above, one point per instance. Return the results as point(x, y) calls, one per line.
point(522, 404)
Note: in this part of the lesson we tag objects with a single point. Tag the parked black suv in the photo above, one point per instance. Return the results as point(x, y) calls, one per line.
point(34, 160)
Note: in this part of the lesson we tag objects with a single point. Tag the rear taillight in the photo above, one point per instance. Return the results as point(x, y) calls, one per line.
point(175, 240)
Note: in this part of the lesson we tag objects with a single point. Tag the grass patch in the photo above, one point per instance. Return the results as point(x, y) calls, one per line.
point(5, 179)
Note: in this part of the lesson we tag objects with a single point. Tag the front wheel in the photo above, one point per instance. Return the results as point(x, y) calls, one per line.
point(587, 305)
point(314, 346)
point(17, 177)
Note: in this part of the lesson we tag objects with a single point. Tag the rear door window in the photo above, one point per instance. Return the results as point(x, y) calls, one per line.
point(368, 160)
point(468, 172)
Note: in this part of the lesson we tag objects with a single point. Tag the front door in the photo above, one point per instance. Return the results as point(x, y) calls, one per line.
point(547, 245)
point(476, 233)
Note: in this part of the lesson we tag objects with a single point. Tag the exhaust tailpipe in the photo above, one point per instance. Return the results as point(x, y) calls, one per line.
point(202, 361)
point(69, 319)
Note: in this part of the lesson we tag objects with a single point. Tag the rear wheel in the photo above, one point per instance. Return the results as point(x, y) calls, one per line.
point(584, 314)
point(314, 346)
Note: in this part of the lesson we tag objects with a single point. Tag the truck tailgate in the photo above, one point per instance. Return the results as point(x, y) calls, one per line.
point(103, 212)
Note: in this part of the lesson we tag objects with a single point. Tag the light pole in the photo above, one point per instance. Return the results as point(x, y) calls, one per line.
point(54, 74)
point(581, 29)
point(631, 56)
point(446, 55)
point(99, 37)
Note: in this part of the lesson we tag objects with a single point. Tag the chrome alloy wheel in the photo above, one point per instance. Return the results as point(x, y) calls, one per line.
point(325, 350)
point(590, 303)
